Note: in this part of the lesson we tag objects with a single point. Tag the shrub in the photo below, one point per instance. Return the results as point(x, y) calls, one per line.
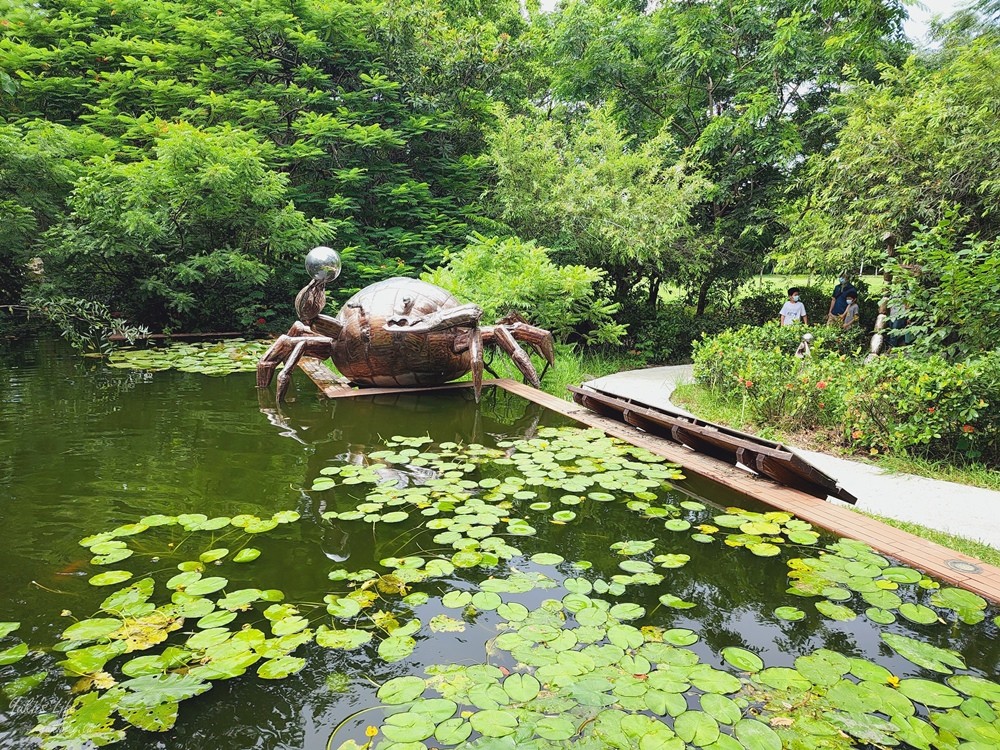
point(757, 367)
point(926, 407)
point(669, 335)
point(510, 275)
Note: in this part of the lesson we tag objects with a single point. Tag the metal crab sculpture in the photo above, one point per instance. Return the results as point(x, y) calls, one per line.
point(397, 332)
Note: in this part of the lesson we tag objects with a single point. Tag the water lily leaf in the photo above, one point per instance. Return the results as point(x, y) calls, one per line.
point(547, 558)
point(676, 602)
point(743, 660)
point(724, 710)
point(555, 728)
point(92, 630)
point(21, 686)
point(112, 557)
point(13, 654)
point(918, 613)
point(924, 654)
point(109, 578)
point(791, 614)
point(343, 607)
point(213, 554)
point(494, 722)
point(672, 560)
point(260, 525)
point(627, 611)
point(456, 599)
point(802, 537)
point(6, 628)
point(171, 658)
point(401, 690)
point(286, 516)
point(711, 680)
point(930, 693)
point(486, 600)
point(697, 728)
point(208, 585)
point(635, 566)
point(783, 678)
point(901, 575)
point(680, 636)
point(216, 619)
point(757, 735)
point(446, 624)
point(563, 516)
point(280, 667)
point(453, 731)
point(155, 689)
point(288, 625)
point(395, 648)
point(977, 687)
point(836, 611)
point(677, 524)
point(346, 638)
point(764, 549)
point(881, 616)
point(864, 726)
point(521, 687)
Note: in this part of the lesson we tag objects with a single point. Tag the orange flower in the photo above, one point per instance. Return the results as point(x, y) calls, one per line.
point(748, 383)
point(822, 405)
point(821, 384)
point(931, 410)
point(857, 434)
point(968, 429)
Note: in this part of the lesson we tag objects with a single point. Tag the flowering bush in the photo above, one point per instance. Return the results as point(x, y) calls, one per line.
point(757, 368)
point(926, 407)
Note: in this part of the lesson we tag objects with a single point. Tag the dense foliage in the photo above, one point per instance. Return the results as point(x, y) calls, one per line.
point(903, 403)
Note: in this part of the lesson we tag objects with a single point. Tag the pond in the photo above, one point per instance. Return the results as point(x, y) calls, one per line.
point(421, 571)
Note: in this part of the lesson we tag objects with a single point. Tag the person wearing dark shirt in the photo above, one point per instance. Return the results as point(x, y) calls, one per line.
point(838, 302)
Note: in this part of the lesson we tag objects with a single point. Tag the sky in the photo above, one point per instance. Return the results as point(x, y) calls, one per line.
point(922, 11)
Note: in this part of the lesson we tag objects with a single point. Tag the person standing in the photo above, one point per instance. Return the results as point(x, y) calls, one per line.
point(851, 312)
point(838, 302)
point(793, 310)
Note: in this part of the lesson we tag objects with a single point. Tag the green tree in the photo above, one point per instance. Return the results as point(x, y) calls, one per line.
point(598, 198)
point(912, 148)
point(190, 237)
point(743, 87)
point(372, 110)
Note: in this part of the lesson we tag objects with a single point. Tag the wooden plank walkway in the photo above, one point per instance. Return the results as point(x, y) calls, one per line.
point(931, 558)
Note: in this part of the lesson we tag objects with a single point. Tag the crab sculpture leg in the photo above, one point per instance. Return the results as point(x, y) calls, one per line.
point(301, 340)
point(506, 334)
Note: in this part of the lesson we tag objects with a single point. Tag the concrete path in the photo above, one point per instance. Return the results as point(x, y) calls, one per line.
point(970, 512)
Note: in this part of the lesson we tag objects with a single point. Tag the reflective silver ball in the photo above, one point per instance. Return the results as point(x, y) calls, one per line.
point(807, 337)
point(323, 263)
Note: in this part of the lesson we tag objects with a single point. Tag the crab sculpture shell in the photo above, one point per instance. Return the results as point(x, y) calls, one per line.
point(375, 346)
point(399, 332)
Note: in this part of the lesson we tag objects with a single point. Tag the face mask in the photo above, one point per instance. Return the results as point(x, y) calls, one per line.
point(795, 298)
point(850, 301)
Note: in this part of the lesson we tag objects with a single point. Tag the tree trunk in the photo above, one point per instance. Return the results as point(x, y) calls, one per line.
point(703, 295)
point(654, 293)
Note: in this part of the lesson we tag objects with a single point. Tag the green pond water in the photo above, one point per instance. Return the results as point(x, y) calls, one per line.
point(462, 570)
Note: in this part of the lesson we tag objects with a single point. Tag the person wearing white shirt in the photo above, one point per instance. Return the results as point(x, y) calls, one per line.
point(793, 310)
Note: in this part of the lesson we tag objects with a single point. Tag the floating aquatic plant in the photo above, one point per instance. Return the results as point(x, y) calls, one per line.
point(581, 667)
point(204, 358)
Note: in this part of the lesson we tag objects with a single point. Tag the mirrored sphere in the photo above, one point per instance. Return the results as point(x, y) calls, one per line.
point(323, 263)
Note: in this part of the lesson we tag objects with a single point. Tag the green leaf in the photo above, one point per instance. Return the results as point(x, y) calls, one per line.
point(206, 586)
point(109, 578)
point(247, 554)
point(396, 648)
point(493, 722)
point(790, 614)
point(918, 613)
point(756, 735)
point(743, 660)
point(6, 628)
point(929, 693)
point(924, 654)
point(836, 611)
point(401, 690)
point(281, 667)
point(697, 728)
point(407, 727)
point(91, 630)
point(521, 687)
point(13, 654)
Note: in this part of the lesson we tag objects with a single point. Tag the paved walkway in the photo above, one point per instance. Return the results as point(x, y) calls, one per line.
point(970, 512)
